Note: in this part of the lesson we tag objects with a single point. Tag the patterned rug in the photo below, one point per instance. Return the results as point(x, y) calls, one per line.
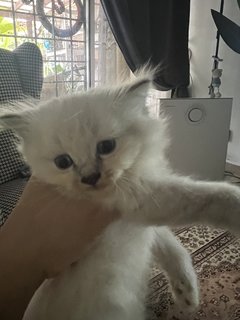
point(216, 257)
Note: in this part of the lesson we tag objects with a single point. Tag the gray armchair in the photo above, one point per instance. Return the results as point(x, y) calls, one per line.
point(21, 75)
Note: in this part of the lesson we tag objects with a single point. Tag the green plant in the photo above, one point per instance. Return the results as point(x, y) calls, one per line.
point(6, 28)
point(51, 70)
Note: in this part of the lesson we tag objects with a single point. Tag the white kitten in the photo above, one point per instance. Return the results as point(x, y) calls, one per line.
point(101, 144)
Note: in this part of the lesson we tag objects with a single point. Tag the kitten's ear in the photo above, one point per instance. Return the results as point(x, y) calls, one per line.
point(140, 87)
point(134, 94)
point(16, 121)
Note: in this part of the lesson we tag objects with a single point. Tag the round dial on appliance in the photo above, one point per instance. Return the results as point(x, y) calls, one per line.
point(195, 114)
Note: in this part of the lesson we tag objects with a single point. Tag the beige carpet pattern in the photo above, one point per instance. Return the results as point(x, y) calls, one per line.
point(216, 257)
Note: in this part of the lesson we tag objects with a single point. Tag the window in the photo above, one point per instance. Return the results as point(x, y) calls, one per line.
point(87, 58)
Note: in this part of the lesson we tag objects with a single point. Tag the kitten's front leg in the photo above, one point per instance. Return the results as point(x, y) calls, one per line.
point(176, 262)
point(177, 201)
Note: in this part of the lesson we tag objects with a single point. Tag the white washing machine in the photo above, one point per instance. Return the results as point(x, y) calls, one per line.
point(199, 130)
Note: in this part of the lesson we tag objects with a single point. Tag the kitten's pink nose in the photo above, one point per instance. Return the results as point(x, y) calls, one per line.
point(92, 179)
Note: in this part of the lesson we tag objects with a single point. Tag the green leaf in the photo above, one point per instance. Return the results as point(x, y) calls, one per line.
point(59, 68)
point(5, 26)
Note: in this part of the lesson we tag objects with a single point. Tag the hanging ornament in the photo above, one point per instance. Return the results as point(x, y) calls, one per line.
point(59, 7)
point(216, 72)
point(230, 33)
point(229, 30)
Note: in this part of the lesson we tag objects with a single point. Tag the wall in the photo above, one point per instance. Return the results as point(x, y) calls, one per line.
point(202, 42)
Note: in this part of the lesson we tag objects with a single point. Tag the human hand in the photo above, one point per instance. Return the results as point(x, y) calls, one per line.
point(52, 230)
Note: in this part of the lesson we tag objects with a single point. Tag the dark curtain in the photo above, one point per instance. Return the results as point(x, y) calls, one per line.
point(154, 31)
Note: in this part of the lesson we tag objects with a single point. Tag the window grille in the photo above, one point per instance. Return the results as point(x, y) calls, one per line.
point(87, 58)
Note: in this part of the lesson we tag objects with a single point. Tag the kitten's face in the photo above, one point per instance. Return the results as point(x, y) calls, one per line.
point(88, 143)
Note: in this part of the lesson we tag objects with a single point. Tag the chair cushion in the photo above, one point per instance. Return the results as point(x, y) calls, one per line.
point(10, 159)
point(21, 74)
point(10, 84)
point(10, 192)
point(29, 62)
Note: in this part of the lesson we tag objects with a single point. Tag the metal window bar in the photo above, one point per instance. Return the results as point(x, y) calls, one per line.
point(89, 58)
point(64, 58)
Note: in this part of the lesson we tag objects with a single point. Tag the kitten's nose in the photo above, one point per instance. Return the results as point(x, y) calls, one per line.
point(92, 179)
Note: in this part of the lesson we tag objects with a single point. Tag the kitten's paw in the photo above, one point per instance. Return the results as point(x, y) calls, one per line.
point(185, 290)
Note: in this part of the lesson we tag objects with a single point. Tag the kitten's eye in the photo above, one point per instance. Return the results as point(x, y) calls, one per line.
point(106, 146)
point(63, 161)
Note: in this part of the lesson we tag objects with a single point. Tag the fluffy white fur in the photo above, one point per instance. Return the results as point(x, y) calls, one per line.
point(111, 282)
